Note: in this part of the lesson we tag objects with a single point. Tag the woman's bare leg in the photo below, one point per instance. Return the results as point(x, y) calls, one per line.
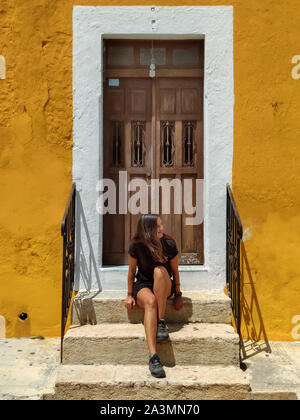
point(161, 289)
point(147, 300)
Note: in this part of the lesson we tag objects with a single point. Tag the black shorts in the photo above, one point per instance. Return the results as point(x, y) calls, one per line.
point(138, 285)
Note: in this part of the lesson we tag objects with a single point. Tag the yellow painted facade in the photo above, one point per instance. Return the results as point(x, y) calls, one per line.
point(36, 160)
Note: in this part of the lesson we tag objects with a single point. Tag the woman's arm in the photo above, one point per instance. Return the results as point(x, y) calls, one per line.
point(131, 274)
point(130, 301)
point(174, 269)
point(177, 302)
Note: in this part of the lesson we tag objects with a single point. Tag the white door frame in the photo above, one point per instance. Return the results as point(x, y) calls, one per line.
point(90, 26)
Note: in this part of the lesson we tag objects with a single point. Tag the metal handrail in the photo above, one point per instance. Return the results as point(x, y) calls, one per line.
point(234, 234)
point(68, 234)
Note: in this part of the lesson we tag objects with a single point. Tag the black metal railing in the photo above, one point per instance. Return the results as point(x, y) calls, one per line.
point(68, 234)
point(234, 234)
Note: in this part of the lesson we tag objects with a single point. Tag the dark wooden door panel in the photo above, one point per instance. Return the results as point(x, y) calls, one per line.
point(179, 155)
point(127, 135)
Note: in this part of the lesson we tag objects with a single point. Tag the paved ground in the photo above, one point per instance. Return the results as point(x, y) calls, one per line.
point(28, 367)
point(278, 370)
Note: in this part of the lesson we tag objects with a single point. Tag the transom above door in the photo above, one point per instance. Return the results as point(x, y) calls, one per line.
point(153, 128)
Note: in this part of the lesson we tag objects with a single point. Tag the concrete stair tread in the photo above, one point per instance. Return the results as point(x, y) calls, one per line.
point(176, 331)
point(108, 306)
point(132, 382)
point(140, 375)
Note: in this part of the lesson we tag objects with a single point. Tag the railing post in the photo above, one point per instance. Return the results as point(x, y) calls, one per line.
point(234, 234)
point(68, 263)
point(63, 298)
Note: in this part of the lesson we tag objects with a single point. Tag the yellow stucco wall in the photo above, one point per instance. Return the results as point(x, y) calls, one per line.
point(36, 159)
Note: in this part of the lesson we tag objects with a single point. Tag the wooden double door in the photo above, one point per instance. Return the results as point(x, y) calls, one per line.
point(153, 129)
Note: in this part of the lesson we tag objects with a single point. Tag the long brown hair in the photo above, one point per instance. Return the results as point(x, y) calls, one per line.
point(146, 232)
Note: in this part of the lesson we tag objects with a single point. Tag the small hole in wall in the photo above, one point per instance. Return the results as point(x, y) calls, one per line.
point(23, 316)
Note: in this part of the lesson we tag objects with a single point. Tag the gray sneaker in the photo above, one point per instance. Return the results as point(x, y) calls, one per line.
point(162, 331)
point(155, 367)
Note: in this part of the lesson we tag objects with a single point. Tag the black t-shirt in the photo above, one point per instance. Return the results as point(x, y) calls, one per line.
point(146, 263)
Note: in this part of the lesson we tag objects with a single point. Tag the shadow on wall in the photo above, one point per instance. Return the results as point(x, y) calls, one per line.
point(253, 334)
point(86, 266)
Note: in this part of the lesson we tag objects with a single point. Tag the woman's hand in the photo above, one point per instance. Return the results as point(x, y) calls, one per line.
point(129, 302)
point(177, 303)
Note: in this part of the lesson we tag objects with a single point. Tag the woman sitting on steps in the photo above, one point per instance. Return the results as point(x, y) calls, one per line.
point(155, 254)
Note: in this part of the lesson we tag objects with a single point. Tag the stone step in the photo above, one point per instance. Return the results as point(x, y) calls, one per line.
point(189, 344)
point(135, 382)
point(108, 306)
